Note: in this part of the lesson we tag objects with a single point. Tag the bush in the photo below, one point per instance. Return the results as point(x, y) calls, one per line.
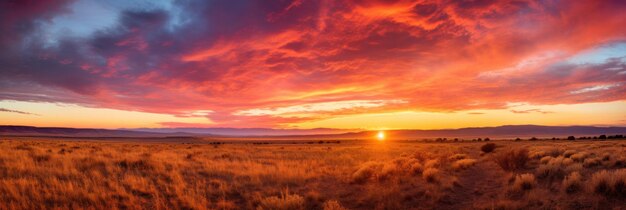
point(545, 160)
point(511, 160)
point(572, 183)
point(463, 164)
point(524, 182)
point(591, 162)
point(333, 205)
point(366, 171)
point(458, 157)
point(431, 175)
point(569, 153)
point(286, 201)
point(431, 163)
point(609, 183)
point(415, 167)
point(579, 156)
point(488, 147)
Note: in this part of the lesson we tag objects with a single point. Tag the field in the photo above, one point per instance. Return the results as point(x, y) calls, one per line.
point(39, 173)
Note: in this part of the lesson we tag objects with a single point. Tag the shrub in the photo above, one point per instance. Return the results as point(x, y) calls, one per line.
point(333, 205)
point(513, 159)
point(416, 168)
point(431, 163)
point(572, 183)
point(554, 152)
point(458, 157)
point(388, 169)
point(537, 154)
point(579, 156)
point(286, 201)
point(545, 160)
point(574, 168)
point(609, 183)
point(591, 162)
point(567, 161)
point(524, 182)
point(367, 170)
point(488, 147)
point(619, 162)
point(550, 171)
point(431, 174)
point(569, 153)
point(556, 168)
point(463, 164)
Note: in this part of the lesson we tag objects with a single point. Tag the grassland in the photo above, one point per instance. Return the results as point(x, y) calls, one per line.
point(38, 173)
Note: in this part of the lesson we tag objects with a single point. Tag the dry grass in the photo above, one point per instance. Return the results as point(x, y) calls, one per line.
point(463, 164)
point(286, 201)
point(333, 205)
point(524, 182)
point(572, 183)
point(431, 175)
point(54, 174)
point(609, 183)
point(514, 159)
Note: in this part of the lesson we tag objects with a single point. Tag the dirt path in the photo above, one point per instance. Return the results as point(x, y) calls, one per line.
point(482, 182)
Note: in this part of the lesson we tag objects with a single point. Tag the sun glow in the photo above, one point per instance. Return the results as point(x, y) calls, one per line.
point(380, 136)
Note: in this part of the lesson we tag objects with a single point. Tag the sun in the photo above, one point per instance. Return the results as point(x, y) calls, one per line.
point(380, 136)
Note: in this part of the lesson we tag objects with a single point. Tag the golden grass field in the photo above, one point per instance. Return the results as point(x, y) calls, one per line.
point(39, 173)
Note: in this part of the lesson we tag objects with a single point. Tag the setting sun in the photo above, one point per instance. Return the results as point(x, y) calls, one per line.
point(380, 136)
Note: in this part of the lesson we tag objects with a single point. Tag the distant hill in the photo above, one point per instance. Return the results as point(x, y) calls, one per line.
point(247, 131)
point(10, 130)
point(508, 131)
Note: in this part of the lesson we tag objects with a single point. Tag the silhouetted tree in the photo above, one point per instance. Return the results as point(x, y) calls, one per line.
point(602, 137)
point(571, 138)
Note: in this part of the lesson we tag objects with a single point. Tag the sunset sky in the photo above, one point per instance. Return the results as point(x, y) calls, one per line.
point(312, 63)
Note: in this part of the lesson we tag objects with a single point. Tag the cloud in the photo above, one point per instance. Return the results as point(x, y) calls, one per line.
point(281, 62)
point(531, 111)
point(16, 111)
point(334, 106)
point(595, 88)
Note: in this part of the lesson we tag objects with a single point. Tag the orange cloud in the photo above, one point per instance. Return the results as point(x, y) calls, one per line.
point(242, 59)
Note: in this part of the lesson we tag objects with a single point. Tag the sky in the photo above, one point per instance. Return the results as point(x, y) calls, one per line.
point(307, 64)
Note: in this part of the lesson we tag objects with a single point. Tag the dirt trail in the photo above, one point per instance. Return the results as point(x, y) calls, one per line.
point(481, 183)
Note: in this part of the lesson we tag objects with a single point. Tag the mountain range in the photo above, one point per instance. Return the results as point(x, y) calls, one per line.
point(500, 132)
